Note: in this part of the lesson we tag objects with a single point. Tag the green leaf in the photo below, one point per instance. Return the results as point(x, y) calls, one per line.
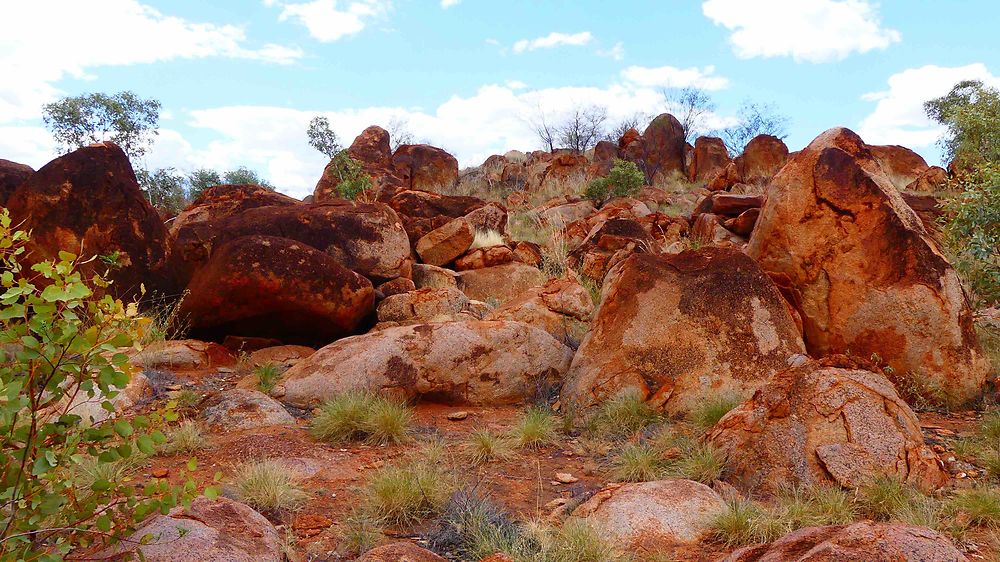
point(192, 464)
point(211, 492)
point(145, 444)
point(123, 428)
point(103, 523)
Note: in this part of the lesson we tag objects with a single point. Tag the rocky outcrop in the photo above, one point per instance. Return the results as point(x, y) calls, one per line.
point(556, 307)
point(865, 541)
point(671, 328)
point(223, 201)
point(424, 167)
point(824, 422)
point(647, 516)
point(500, 283)
point(12, 175)
point(264, 286)
point(474, 363)
point(901, 165)
point(371, 148)
point(219, 530)
point(366, 238)
point(182, 355)
point(442, 245)
point(710, 158)
point(871, 279)
point(659, 151)
point(241, 408)
point(763, 156)
point(88, 203)
point(422, 305)
point(934, 178)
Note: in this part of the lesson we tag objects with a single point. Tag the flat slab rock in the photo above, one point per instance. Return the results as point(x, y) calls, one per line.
point(242, 408)
point(400, 552)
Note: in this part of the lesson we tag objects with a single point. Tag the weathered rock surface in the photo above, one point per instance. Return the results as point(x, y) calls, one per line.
point(425, 167)
point(222, 201)
point(264, 286)
point(865, 541)
point(219, 530)
point(473, 363)
point(242, 408)
point(442, 245)
point(12, 175)
point(501, 282)
point(554, 307)
point(371, 148)
point(88, 203)
point(366, 238)
point(648, 515)
point(901, 165)
point(763, 156)
point(422, 305)
point(871, 279)
point(820, 423)
point(673, 327)
point(710, 158)
point(484, 257)
point(934, 178)
point(182, 355)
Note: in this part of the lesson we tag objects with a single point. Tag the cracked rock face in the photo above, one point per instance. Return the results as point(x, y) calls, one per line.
point(671, 328)
point(824, 422)
point(871, 279)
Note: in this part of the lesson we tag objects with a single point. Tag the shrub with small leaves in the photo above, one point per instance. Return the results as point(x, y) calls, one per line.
point(624, 180)
point(353, 182)
point(60, 344)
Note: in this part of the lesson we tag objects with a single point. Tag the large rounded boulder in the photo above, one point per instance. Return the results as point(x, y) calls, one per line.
point(824, 422)
point(366, 238)
point(872, 281)
point(474, 363)
point(671, 328)
point(263, 286)
point(88, 203)
point(659, 151)
point(425, 167)
point(865, 541)
point(373, 151)
point(649, 516)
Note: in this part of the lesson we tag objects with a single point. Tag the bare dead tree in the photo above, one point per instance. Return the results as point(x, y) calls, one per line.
point(583, 127)
point(399, 132)
point(755, 119)
point(637, 121)
point(692, 107)
point(544, 128)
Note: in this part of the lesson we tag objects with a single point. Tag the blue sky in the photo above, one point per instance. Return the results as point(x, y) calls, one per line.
point(239, 80)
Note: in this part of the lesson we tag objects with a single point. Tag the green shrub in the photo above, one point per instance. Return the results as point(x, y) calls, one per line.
point(972, 231)
point(624, 180)
point(637, 463)
point(883, 498)
point(483, 446)
point(353, 182)
point(710, 409)
point(185, 438)
point(410, 491)
point(60, 343)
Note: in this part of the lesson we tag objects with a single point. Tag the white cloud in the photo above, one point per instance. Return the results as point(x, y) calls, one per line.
point(806, 30)
point(673, 77)
point(617, 52)
point(449, 3)
point(899, 118)
point(330, 20)
point(77, 38)
point(554, 39)
point(492, 120)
